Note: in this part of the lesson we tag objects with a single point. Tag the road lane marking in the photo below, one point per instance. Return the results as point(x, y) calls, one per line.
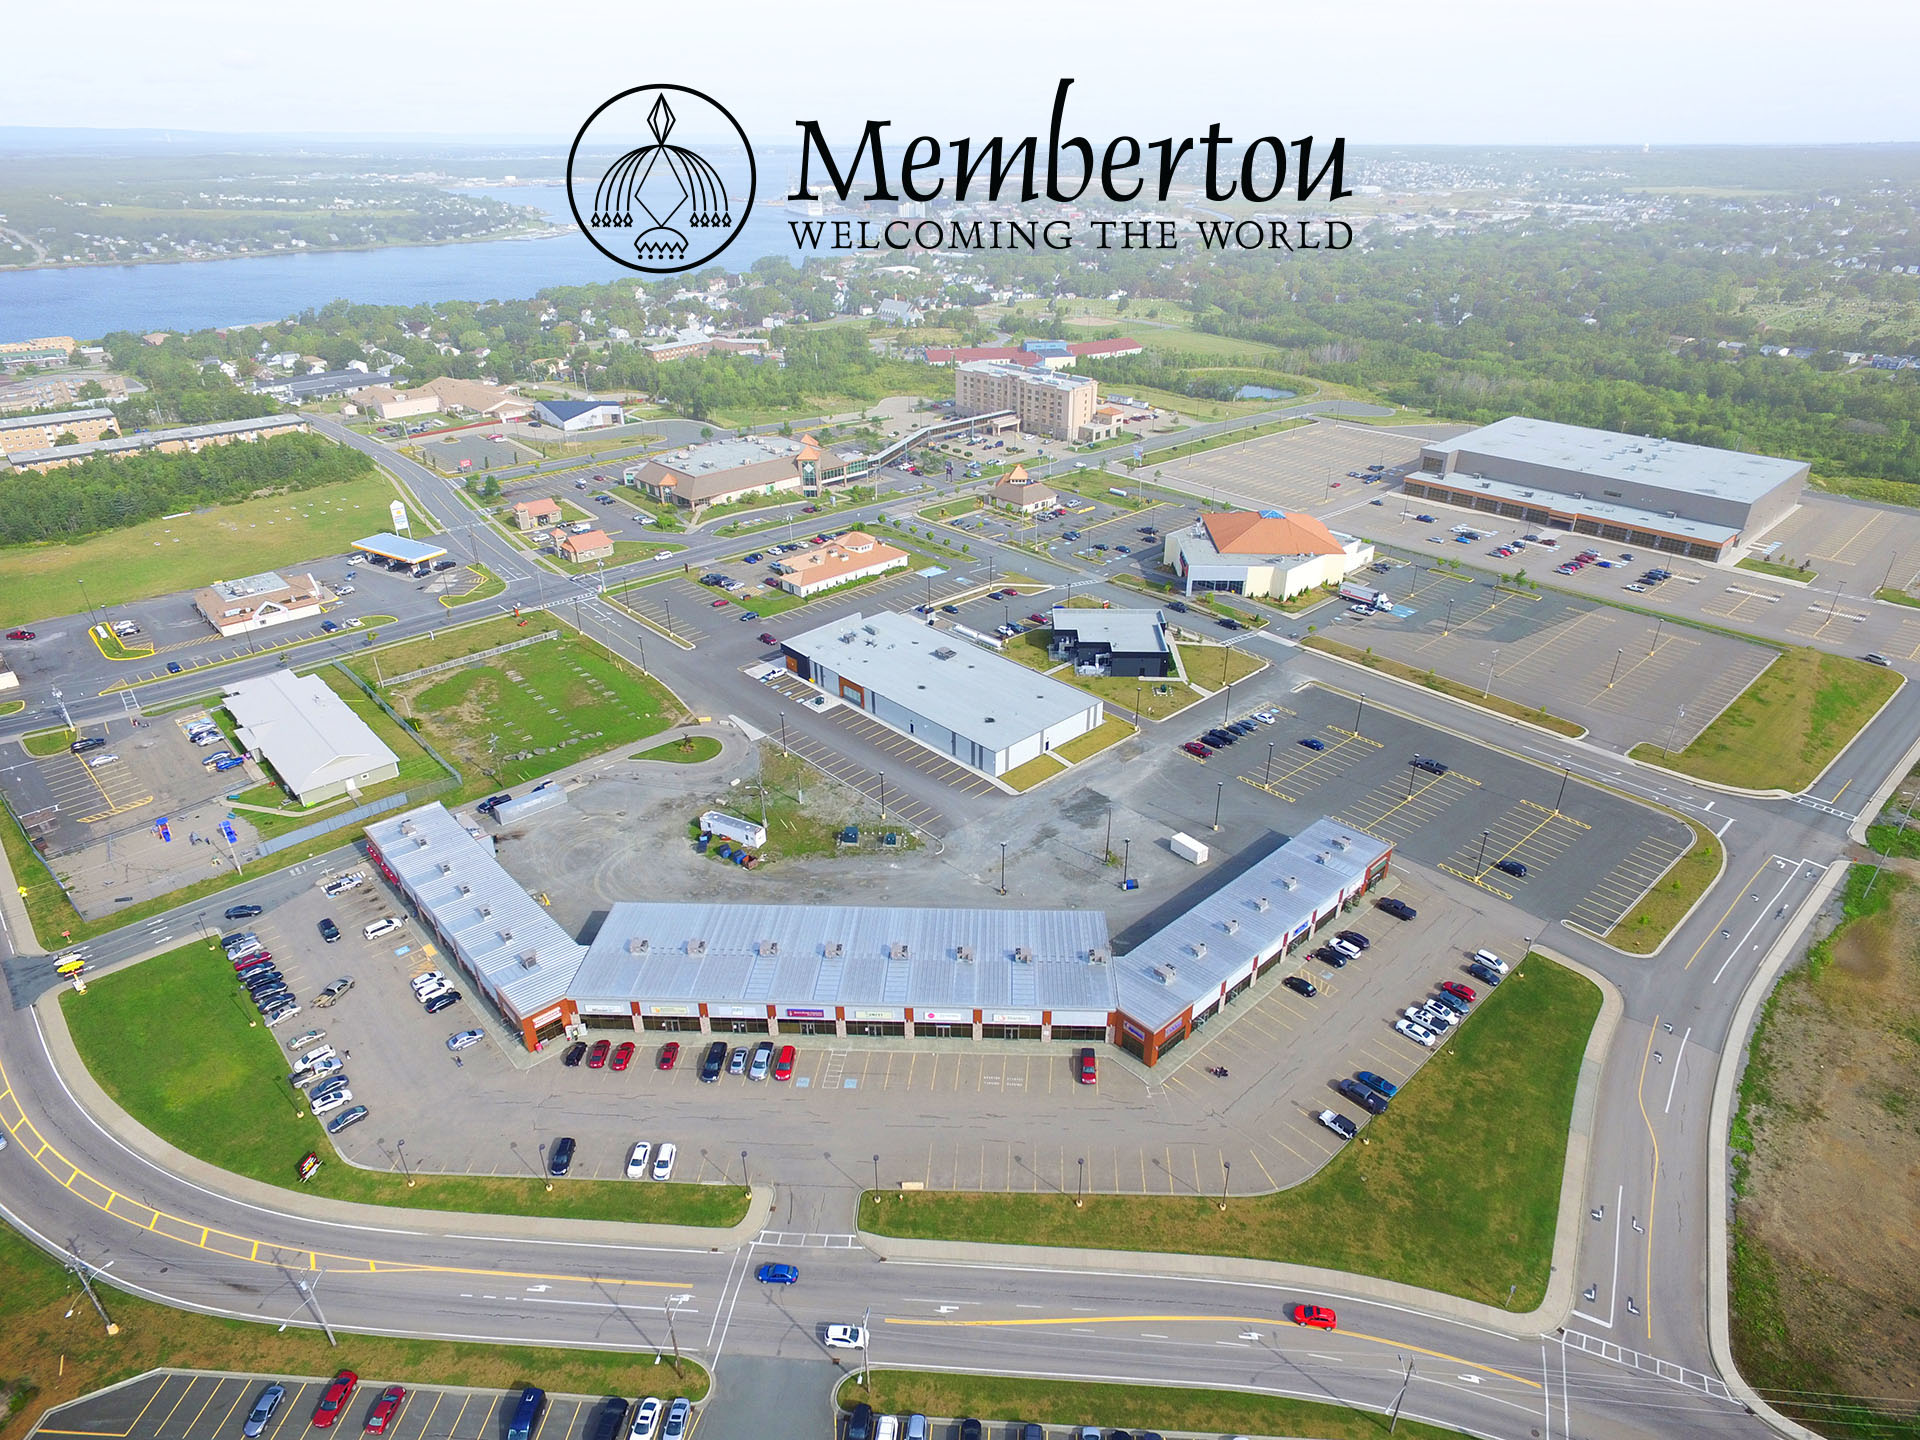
point(1640, 1095)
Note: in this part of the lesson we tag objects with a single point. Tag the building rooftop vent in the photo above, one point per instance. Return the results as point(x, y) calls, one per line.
point(1166, 974)
point(506, 936)
point(1199, 949)
point(638, 945)
point(407, 827)
point(1098, 957)
point(529, 960)
point(465, 889)
point(963, 952)
point(831, 949)
point(1263, 904)
point(1232, 927)
point(1022, 955)
point(486, 910)
point(897, 951)
point(769, 947)
point(1291, 882)
point(1321, 858)
point(1344, 842)
point(445, 868)
point(696, 947)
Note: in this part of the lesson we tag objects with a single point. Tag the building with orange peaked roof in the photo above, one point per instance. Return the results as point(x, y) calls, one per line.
point(1262, 553)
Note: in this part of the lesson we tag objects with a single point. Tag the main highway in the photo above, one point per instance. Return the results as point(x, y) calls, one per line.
point(1629, 1356)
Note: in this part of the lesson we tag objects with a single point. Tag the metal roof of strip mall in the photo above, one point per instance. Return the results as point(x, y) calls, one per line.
point(499, 932)
point(852, 955)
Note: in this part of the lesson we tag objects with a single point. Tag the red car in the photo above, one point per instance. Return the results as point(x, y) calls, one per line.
point(338, 1393)
point(1086, 1068)
point(1459, 991)
point(669, 1056)
point(783, 1063)
point(1316, 1317)
point(721, 601)
point(623, 1056)
point(20, 634)
point(1196, 749)
point(253, 961)
point(1037, 618)
point(597, 1057)
point(385, 1408)
point(1009, 594)
point(768, 638)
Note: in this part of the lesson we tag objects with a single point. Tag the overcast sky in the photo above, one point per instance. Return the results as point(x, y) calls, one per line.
point(1378, 71)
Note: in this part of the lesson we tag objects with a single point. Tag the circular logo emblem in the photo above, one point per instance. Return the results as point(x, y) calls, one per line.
point(650, 203)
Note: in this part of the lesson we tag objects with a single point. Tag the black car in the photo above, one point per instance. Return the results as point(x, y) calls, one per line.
point(1331, 956)
point(1367, 1098)
point(1217, 737)
point(951, 609)
point(1243, 727)
point(442, 1001)
point(493, 802)
point(576, 1052)
point(1355, 939)
point(560, 1158)
point(1429, 764)
point(1483, 974)
point(1511, 867)
point(610, 1419)
point(715, 1061)
point(1229, 624)
point(91, 742)
point(445, 564)
point(329, 931)
point(1399, 909)
point(1179, 605)
point(346, 1119)
point(860, 1422)
point(245, 912)
point(969, 1430)
point(1300, 985)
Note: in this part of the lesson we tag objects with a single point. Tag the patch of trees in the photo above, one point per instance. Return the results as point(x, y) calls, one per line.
point(108, 493)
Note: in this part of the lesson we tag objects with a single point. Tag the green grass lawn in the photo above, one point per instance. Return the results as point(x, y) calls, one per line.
point(448, 644)
point(1457, 1189)
point(1781, 572)
point(1110, 731)
point(1025, 777)
point(1444, 685)
point(11, 707)
point(46, 742)
point(1002, 1398)
point(529, 712)
point(1214, 667)
point(162, 556)
point(1787, 726)
point(225, 1099)
point(690, 750)
point(1896, 597)
point(57, 1350)
point(1642, 928)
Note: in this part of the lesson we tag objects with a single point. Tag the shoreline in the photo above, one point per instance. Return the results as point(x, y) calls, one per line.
point(544, 232)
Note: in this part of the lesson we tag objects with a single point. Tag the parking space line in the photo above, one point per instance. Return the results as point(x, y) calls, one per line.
point(239, 1396)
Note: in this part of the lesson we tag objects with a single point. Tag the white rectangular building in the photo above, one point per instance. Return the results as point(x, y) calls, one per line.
point(964, 702)
point(310, 736)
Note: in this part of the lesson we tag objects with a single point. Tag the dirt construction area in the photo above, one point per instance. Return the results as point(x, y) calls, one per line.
point(1828, 1221)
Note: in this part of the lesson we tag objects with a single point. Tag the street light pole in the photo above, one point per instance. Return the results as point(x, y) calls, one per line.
point(746, 1179)
point(1268, 780)
point(1887, 579)
point(400, 1147)
point(1610, 679)
point(1358, 712)
point(1483, 852)
point(1491, 660)
point(783, 729)
point(1226, 1178)
point(1447, 628)
point(1126, 861)
point(1219, 792)
point(1003, 867)
point(1565, 772)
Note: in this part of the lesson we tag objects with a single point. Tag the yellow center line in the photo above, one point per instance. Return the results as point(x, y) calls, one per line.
point(1721, 922)
point(1201, 1320)
point(1640, 1094)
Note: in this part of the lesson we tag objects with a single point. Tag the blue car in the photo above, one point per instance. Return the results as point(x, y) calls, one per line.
point(778, 1274)
point(328, 626)
point(1312, 744)
point(1377, 1083)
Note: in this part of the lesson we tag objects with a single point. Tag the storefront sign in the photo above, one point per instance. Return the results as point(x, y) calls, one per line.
point(621, 1008)
point(553, 1014)
point(1133, 1030)
point(814, 1014)
point(737, 1012)
point(679, 1010)
point(874, 1015)
point(309, 1166)
point(946, 1017)
point(1014, 1017)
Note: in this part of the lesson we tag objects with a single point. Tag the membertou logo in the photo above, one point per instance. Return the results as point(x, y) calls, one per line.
point(660, 207)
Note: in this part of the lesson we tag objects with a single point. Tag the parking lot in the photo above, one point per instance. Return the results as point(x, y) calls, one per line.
point(200, 1405)
point(1302, 469)
point(1625, 676)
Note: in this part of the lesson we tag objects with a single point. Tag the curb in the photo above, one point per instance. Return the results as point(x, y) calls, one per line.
point(1552, 1310)
point(117, 1123)
point(1733, 1057)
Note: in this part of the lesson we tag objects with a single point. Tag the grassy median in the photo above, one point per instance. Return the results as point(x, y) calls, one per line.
point(225, 1099)
point(1455, 1189)
point(57, 1350)
point(1787, 726)
point(1135, 1407)
point(1643, 928)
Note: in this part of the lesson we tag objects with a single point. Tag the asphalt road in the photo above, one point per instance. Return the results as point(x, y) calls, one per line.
point(66, 1180)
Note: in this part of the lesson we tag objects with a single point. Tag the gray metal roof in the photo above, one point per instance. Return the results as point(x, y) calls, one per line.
point(1610, 455)
point(397, 547)
point(977, 694)
point(147, 439)
point(798, 968)
point(1206, 947)
point(22, 422)
point(309, 734)
point(494, 926)
point(1132, 632)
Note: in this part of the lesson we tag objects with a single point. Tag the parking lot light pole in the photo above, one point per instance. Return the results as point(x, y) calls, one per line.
point(1268, 780)
point(1359, 712)
point(1080, 1200)
point(1885, 580)
point(1219, 793)
point(96, 614)
point(1003, 867)
point(1491, 661)
point(1483, 852)
point(883, 799)
point(1126, 861)
point(1611, 678)
point(400, 1147)
point(1447, 627)
point(1565, 772)
point(746, 1180)
point(1226, 1179)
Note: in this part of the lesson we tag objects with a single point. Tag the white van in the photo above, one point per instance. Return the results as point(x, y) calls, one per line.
point(1492, 961)
point(385, 925)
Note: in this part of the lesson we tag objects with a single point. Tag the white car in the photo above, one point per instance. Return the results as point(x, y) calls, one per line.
point(465, 1039)
point(1338, 1124)
point(637, 1160)
point(385, 925)
point(1492, 961)
point(333, 1102)
point(340, 886)
point(427, 981)
point(846, 1337)
point(646, 1419)
point(663, 1161)
point(279, 1017)
point(343, 589)
point(885, 1427)
point(1437, 1018)
point(1416, 1032)
point(433, 992)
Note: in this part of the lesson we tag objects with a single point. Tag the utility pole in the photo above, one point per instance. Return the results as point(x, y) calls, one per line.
point(81, 1270)
point(311, 1292)
point(1393, 1414)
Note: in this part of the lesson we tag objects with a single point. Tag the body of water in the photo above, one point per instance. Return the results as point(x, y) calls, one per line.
point(1262, 392)
point(89, 301)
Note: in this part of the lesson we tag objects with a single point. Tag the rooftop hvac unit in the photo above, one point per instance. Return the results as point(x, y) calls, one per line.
point(963, 952)
point(407, 827)
point(769, 947)
point(1166, 974)
point(1321, 858)
point(896, 952)
point(638, 945)
point(1098, 957)
point(1199, 949)
point(529, 960)
point(1263, 904)
point(506, 936)
point(445, 868)
point(831, 949)
point(943, 653)
point(1232, 927)
point(420, 842)
point(869, 629)
point(696, 947)
point(465, 889)
point(1022, 955)
point(1291, 882)
point(485, 910)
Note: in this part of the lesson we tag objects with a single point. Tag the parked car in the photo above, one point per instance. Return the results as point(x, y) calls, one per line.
point(1300, 985)
point(646, 1419)
point(663, 1159)
point(465, 1039)
point(762, 1061)
point(1313, 744)
point(1338, 1124)
point(715, 1061)
point(442, 1001)
point(622, 1056)
point(329, 931)
point(1087, 1067)
point(86, 743)
point(1459, 991)
point(1355, 939)
point(669, 1056)
point(333, 992)
point(637, 1159)
point(1416, 1032)
point(1511, 867)
point(380, 1418)
point(1196, 749)
point(597, 1057)
point(560, 1158)
point(1364, 1096)
point(1377, 1083)
point(1399, 909)
point(738, 1064)
point(576, 1052)
point(1486, 977)
point(263, 1410)
point(1429, 764)
point(783, 1064)
point(679, 1416)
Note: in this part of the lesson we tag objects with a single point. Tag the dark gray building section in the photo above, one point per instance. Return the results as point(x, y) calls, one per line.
point(1130, 643)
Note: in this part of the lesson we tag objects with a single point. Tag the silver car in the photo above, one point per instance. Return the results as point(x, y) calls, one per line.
point(263, 1408)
